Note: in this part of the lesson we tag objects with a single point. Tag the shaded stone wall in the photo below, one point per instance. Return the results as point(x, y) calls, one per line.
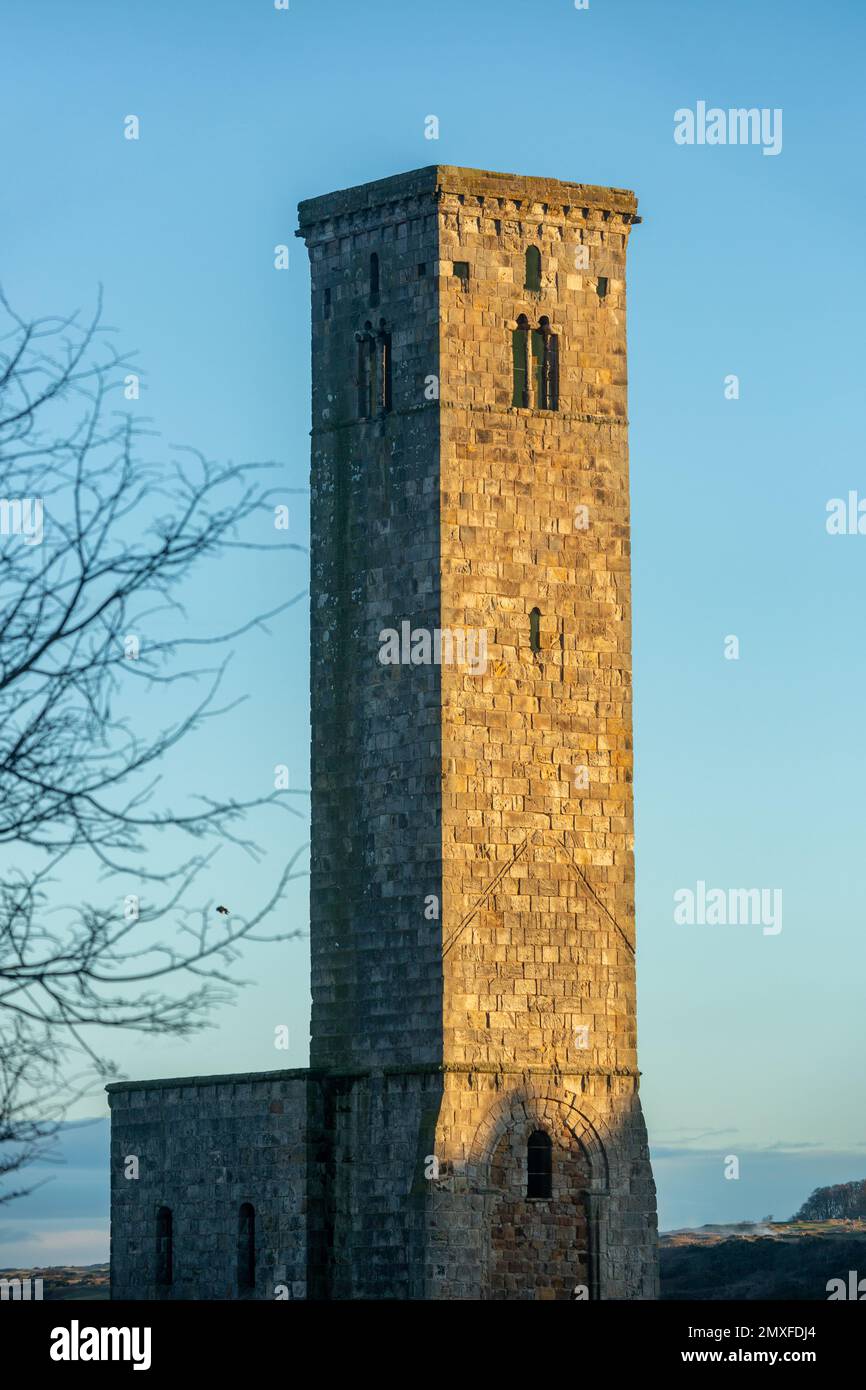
point(383, 1129)
point(376, 975)
point(204, 1146)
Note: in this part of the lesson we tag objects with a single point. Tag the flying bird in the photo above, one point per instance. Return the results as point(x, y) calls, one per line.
point(223, 910)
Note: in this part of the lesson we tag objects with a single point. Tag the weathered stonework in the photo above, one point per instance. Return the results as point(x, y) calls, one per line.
point(472, 877)
point(204, 1146)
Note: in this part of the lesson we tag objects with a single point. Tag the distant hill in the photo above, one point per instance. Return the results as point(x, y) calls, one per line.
point(64, 1282)
point(761, 1260)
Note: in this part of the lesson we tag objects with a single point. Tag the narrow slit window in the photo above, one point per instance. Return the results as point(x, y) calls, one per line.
point(535, 631)
point(539, 1165)
point(532, 278)
point(601, 286)
point(246, 1248)
point(383, 366)
point(520, 365)
point(326, 305)
point(164, 1251)
point(374, 280)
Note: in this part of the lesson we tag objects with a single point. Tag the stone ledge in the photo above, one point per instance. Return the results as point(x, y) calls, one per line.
point(238, 1078)
point(442, 407)
point(360, 1073)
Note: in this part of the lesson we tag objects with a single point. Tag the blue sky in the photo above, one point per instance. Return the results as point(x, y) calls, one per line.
point(749, 773)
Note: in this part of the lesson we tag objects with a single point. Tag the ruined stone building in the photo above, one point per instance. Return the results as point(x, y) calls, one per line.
point(469, 1126)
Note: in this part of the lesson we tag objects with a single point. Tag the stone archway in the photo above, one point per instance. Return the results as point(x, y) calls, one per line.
point(542, 1248)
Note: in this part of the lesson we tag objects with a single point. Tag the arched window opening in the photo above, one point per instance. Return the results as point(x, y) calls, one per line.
point(535, 631)
point(374, 280)
point(532, 279)
point(164, 1254)
point(246, 1247)
point(539, 1165)
point(520, 364)
point(366, 370)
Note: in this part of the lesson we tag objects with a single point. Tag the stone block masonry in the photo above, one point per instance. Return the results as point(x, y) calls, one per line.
point(201, 1148)
point(470, 1126)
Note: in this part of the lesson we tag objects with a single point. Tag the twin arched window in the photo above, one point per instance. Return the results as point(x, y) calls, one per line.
point(374, 370)
point(534, 351)
point(535, 365)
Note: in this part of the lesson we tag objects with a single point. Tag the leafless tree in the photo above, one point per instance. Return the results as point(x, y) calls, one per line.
point(96, 547)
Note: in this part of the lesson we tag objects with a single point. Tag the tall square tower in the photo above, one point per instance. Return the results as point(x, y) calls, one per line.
point(477, 1129)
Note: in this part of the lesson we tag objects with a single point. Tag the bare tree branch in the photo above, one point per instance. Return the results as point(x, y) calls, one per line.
point(97, 547)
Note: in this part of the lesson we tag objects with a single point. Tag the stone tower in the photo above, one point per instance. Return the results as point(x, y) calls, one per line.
point(474, 1130)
